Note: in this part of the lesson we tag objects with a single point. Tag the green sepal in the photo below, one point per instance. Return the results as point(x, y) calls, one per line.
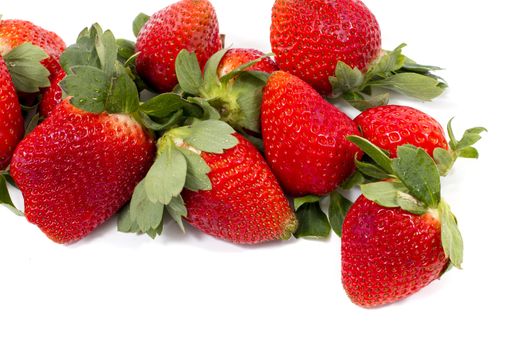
point(450, 235)
point(354, 180)
point(313, 222)
point(176, 119)
point(189, 72)
point(83, 52)
point(197, 172)
point(167, 176)
point(27, 72)
point(242, 68)
point(177, 210)
point(377, 154)
point(163, 105)
point(300, 201)
point(212, 136)
point(31, 123)
point(419, 173)
point(393, 194)
point(249, 90)
point(107, 50)
point(371, 170)
point(88, 86)
point(337, 211)
point(362, 103)
point(125, 50)
point(5, 197)
point(421, 87)
point(211, 80)
point(139, 22)
point(123, 96)
point(146, 214)
point(209, 111)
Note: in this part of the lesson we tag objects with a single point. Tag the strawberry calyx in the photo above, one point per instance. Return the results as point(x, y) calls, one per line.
point(24, 65)
point(463, 148)
point(392, 71)
point(5, 198)
point(412, 182)
point(234, 98)
point(178, 166)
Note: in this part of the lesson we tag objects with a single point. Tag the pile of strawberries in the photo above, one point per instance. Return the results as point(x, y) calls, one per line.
point(176, 126)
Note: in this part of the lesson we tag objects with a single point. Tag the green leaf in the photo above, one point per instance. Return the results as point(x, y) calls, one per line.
point(197, 175)
point(189, 72)
point(209, 111)
point(313, 223)
point(453, 140)
point(167, 176)
point(411, 66)
point(422, 87)
point(125, 50)
point(346, 78)
point(166, 124)
point(139, 22)
point(163, 105)
point(419, 173)
point(300, 201)
point(27, 73)
point(106, 47)
point(177, 211)
point(371, 170)
point(378, 155)
point(450, 235)
point(355, 179)
point(469, 152)
point(337, 211)
point(388, 63)
point(145, 213)
point(83, 53)
point(410, 204)
point(125, 223)
point(211, 79)
point(5, 198)
point(384, 193)
point(123, 96)
point(470, 138)
point(444, 160)
point(213, 136)
point(88, 86)
point(250, 92)
point(363, 103)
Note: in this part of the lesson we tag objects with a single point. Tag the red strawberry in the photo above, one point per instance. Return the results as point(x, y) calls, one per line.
point(77, 169)
point(389, 127)
point(187, 24)
point(305, 137)
point(52, 96)
point(15, 32)
point(237, 57)
point(392, 126)
point(11, 121)
point(246, 204)
point(389, 254)
point(309, 37)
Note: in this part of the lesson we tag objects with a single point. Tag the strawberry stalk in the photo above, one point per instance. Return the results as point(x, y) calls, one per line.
point(391, 72)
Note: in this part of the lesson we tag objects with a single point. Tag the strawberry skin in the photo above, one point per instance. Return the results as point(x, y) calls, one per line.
point(237, 57)
point(392, 126)
point(246, 204)
point(389, 254)
point(52, 96)
point(11, 120)
point(77, 169)
point(187, 24)
point(309, 37)
point(305, 137)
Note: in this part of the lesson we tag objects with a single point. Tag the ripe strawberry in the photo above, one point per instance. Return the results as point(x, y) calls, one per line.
point(234, 58)
point(305, 137)
point(389, 127)
point(15, 32)
point(246, 204)
point(388, 253)
point(77, 169)
point(11, 121)
point(187, 24)
point(392, 126)
point(309, 37)
point(52, 96)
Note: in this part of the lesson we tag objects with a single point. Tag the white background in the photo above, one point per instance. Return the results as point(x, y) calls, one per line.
point(116, 291)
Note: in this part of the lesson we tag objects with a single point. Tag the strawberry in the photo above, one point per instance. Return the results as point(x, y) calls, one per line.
point(309, 38)
point(392, 126)
point(246, 204)
point(388, 253)
point(11, 121)
point(81, 165)
point(305, 137)
point(77, 169)
point(400, 235)
point(52, 96)
point(234, 58)
point(187, 24)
